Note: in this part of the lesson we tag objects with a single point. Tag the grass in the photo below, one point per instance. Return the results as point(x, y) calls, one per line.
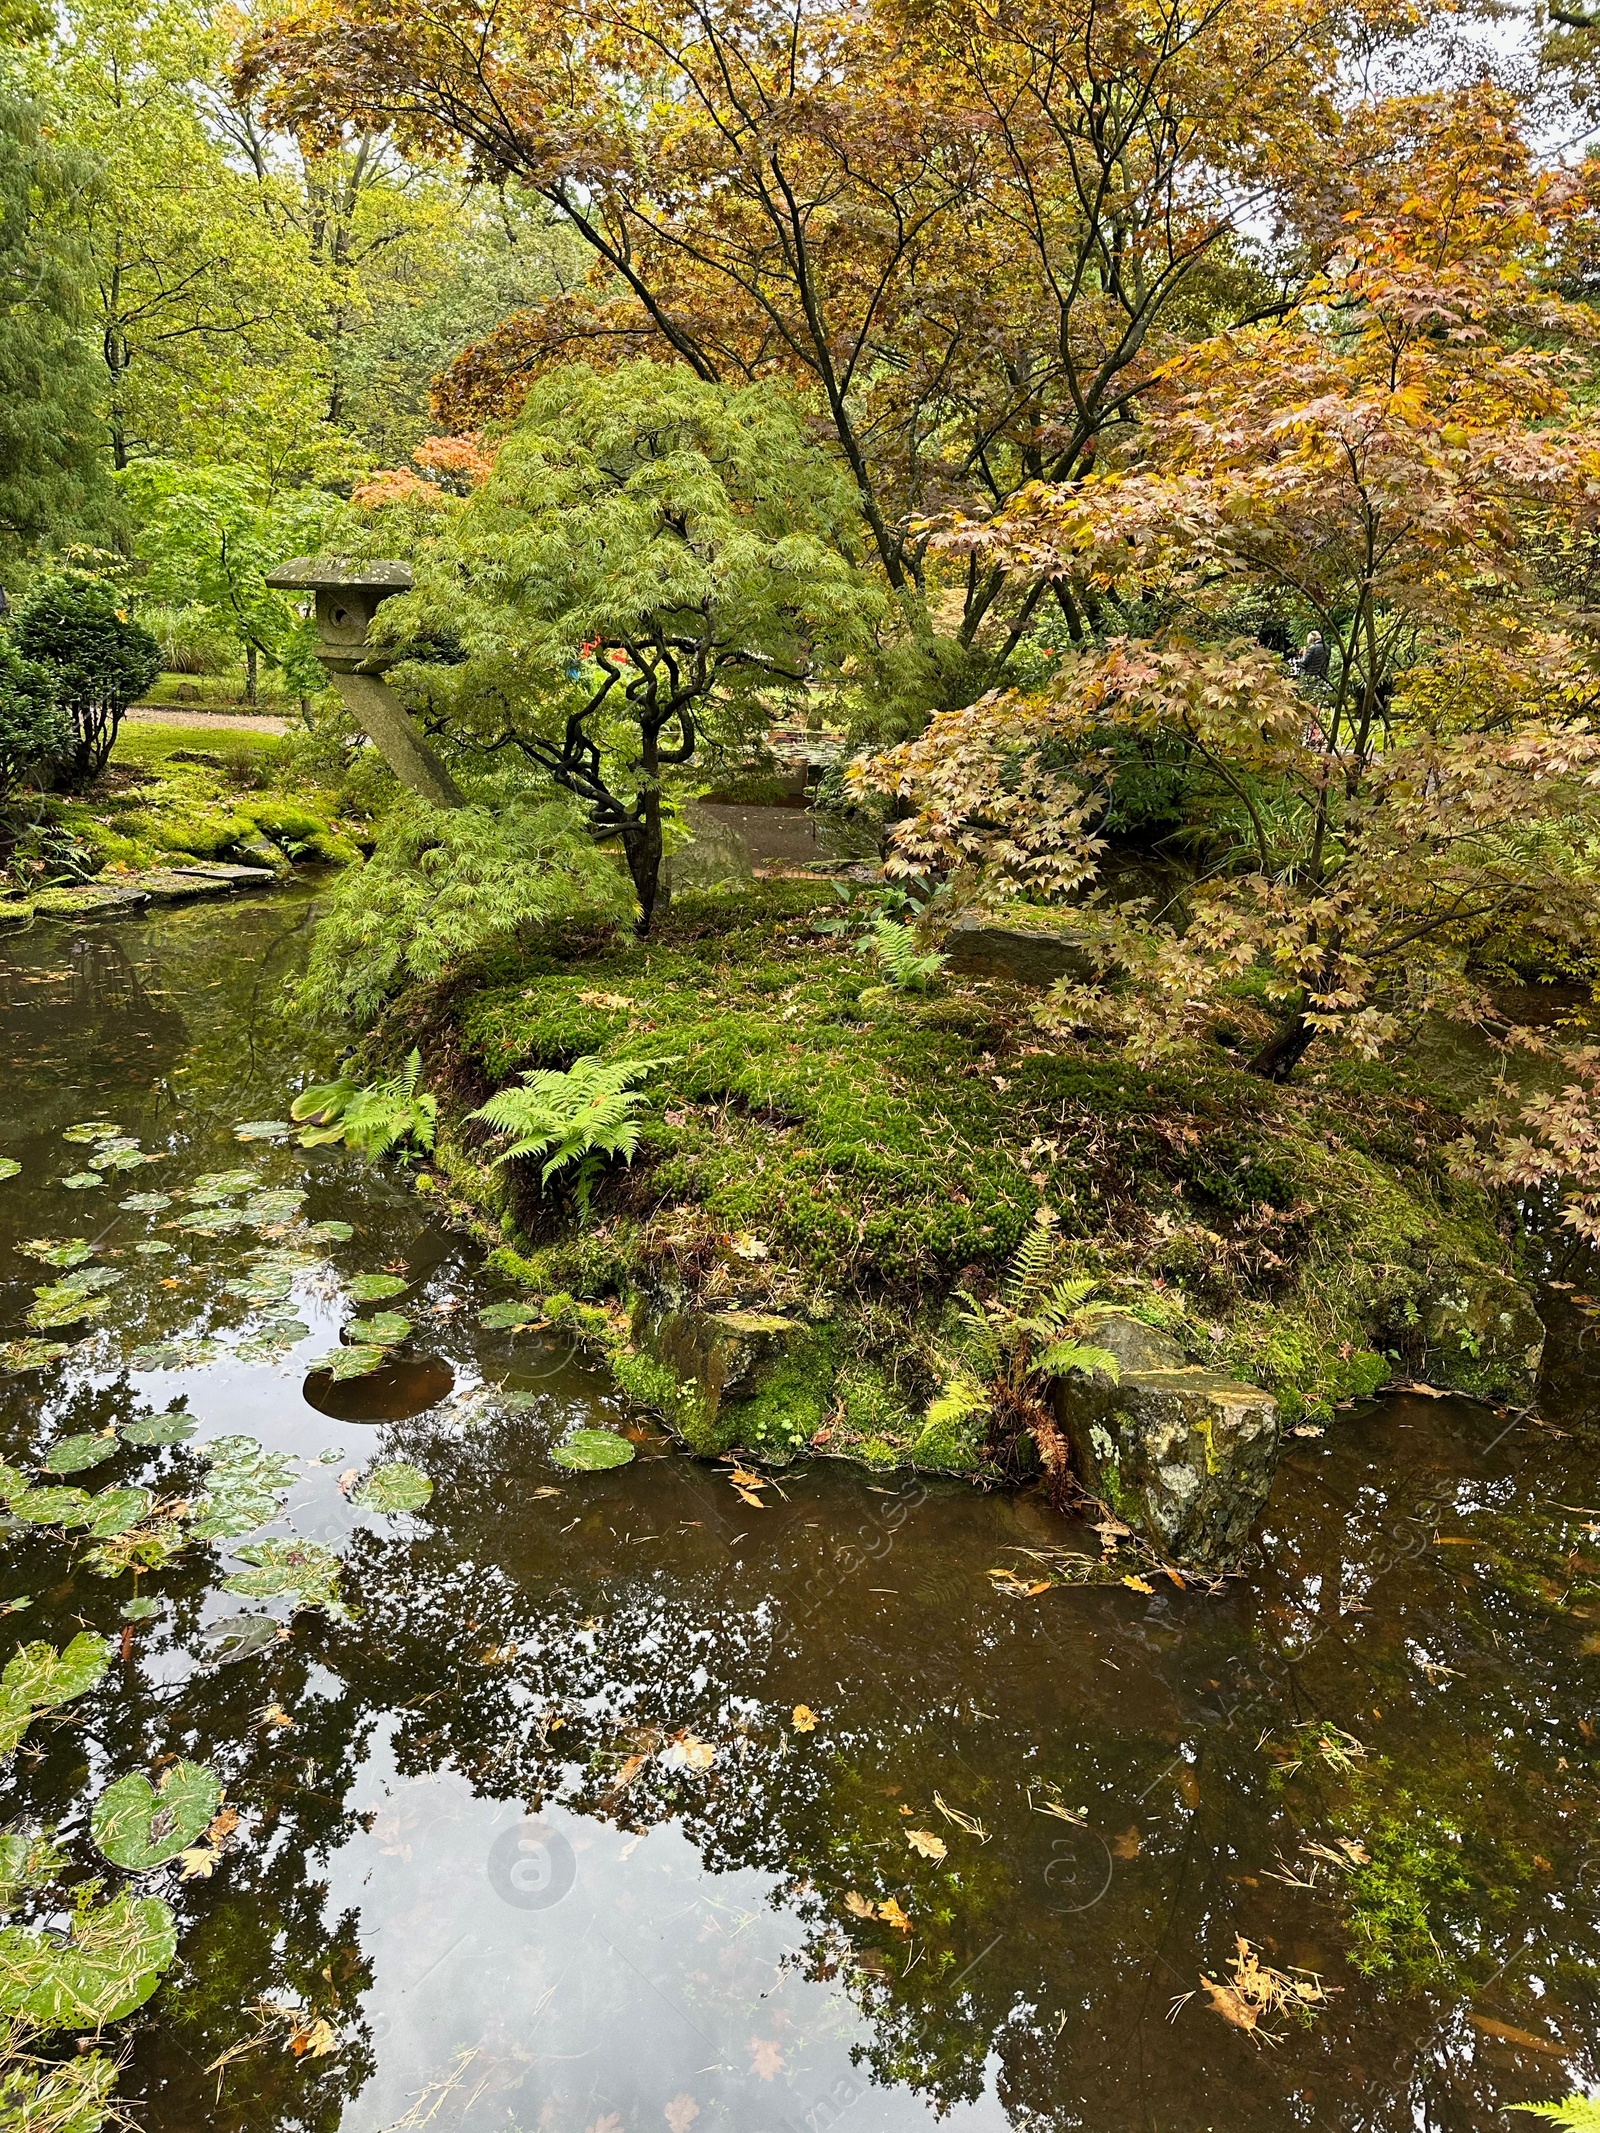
point(820, 1148)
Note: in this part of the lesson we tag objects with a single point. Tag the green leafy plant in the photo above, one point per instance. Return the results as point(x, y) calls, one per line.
point(99, 660)
point(907, 968)
point(1579, 2114)
point(585, 1116)
point(39, 1678)
point(33, 727)
point(139, 1825)
point(375, 1120)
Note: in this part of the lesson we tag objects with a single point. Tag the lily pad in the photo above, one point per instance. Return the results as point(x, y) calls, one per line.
point(66, 1252)
point(9, 1167)
point(509, 1317)
point(140, 1610)
point(39, 1678)
point(262, 1129)
point(589, 1451)
point(146, 1203)
point(272, 1340)
point(155, 1249)
point(396, 1487)
point(17, 1356)
point(71, 1455)
point(300, 1568)
point(117, 1511)
point(222, 1184)
point(246, 1488)
point(64, 1304)
point(178, 1355)
point(160, 1429)
point(139, 1825)
point(342, 1363)
point(83, 1180)
point(259, 1288)
point(384, 1327)
point(92, 1129)
point(372, 1288)
point(212, 1221)
point(280, 1205)
point(237, 1637)
point(51, 1507)
point(330, 1232)
point(110, 1965)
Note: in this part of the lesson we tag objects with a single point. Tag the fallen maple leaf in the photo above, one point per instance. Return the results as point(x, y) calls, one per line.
point(1229, 2005)
point(1127, 1845)
point(198, 1863)
point(805, 1719)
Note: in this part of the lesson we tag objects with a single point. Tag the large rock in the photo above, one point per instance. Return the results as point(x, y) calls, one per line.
point(722, 1354)
point(1022, 951)
point(1185, 1455)
point(1482, 1334)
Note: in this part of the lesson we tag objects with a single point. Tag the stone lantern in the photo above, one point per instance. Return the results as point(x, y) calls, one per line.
point(348, 595)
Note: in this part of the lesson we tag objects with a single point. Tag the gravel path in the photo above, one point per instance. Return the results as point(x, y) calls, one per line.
point(179, 715)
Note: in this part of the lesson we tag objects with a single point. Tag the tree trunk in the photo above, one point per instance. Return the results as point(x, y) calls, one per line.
point(251, 675)
point(643, 848)
point(1284, 1049)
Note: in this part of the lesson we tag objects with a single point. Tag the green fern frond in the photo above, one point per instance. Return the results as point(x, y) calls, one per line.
point(1032, 1265)
point(1067, 1355)
point(895, 946)
point(373, 1120)
point(586, 1116)
point(961, 1398)
point(1579, 2114)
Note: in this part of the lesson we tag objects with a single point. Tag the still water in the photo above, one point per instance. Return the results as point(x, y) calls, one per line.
point(533, 1827)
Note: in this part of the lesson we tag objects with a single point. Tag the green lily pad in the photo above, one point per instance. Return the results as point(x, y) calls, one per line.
point(236, 1637)
point(222, 1184)
point(262, 1129)
point(28, 1861)
point(160, 1429)
point(139, 1825)
point(212, 1221)
point(372, 1288)
point(178, 1355)
point(146, 1203)
point(39, 1678)
point(272, 1340)
point(343, 1363)
point(330, 1232)
point(110, 1965)
point(51, 1507)
point(67, 1252)
point(589, 1451)
point(245, 1490)
point(71, 1455)
point(300, 1568)
point(117, 1511)
point(154, 1249)
point(92, 1129)
point(259, 1288)
point(64, 1304)
point(509, 1317)
point(280, 1205)
point(396, 1487)
point(17, 1356)
point(140, 1610)
point(9, 1167)
point(383, 1327)
point(83, 1180)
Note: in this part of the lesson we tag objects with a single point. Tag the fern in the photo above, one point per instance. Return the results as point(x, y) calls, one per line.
point(895, 946)
point(1579, 2114)
point(373, 1120)
point(961, 1398)
point(586, 1116)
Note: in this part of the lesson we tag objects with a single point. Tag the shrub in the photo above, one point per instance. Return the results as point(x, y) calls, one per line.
point(99, 661)
point(33, 730)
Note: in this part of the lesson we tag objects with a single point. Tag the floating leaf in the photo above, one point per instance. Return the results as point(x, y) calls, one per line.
point(245, 1490)
point(926, 1843)
point(330, 1232)
point(155, 1249)
point(222, 1184)
point(372, 1288)
point(805, 1719)
point(301, 1568)
point(351, 1362)
point(384, 1327)
point(178, 1355)
point(63, 1304)
point(115, 1511)
point(27, 1861)
point(82, 1180)
point(71, 1455)
point(212, 1221)
point(160, 1429)
point(139, 1825)
point(17, 1356)
point(140, 1610)
point(9, 1167)
point(51, 1507)
point(511, 1317)
point(397, 1487)
point(120, 1157)
point(237, 1637)
point(71, 1252)
point(92, 1129)
point(39, 1678)
point(146, 1203)
point(111, 1965)
point(277, 1206)
point(261, 1129)
point(589, 1451)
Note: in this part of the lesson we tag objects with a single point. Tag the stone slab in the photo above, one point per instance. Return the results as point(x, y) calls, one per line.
point(1017, 952)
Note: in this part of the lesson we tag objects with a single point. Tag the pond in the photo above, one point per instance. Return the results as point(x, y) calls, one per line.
point(648, 1799)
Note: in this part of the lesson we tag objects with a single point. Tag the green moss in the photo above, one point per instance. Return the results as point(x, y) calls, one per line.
point(675, 1399)
point(792, 1402)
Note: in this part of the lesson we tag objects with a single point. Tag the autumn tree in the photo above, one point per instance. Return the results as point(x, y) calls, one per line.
point(650, 565)
point(1405, 461)
point(966, 236)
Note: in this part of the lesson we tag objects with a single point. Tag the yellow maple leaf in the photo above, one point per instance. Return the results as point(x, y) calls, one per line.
point(805, 1719)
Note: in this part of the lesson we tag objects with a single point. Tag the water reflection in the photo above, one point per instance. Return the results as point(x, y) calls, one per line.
point(536, 1830)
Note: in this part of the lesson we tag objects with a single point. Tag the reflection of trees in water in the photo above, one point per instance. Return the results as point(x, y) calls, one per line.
point(487, 1623)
